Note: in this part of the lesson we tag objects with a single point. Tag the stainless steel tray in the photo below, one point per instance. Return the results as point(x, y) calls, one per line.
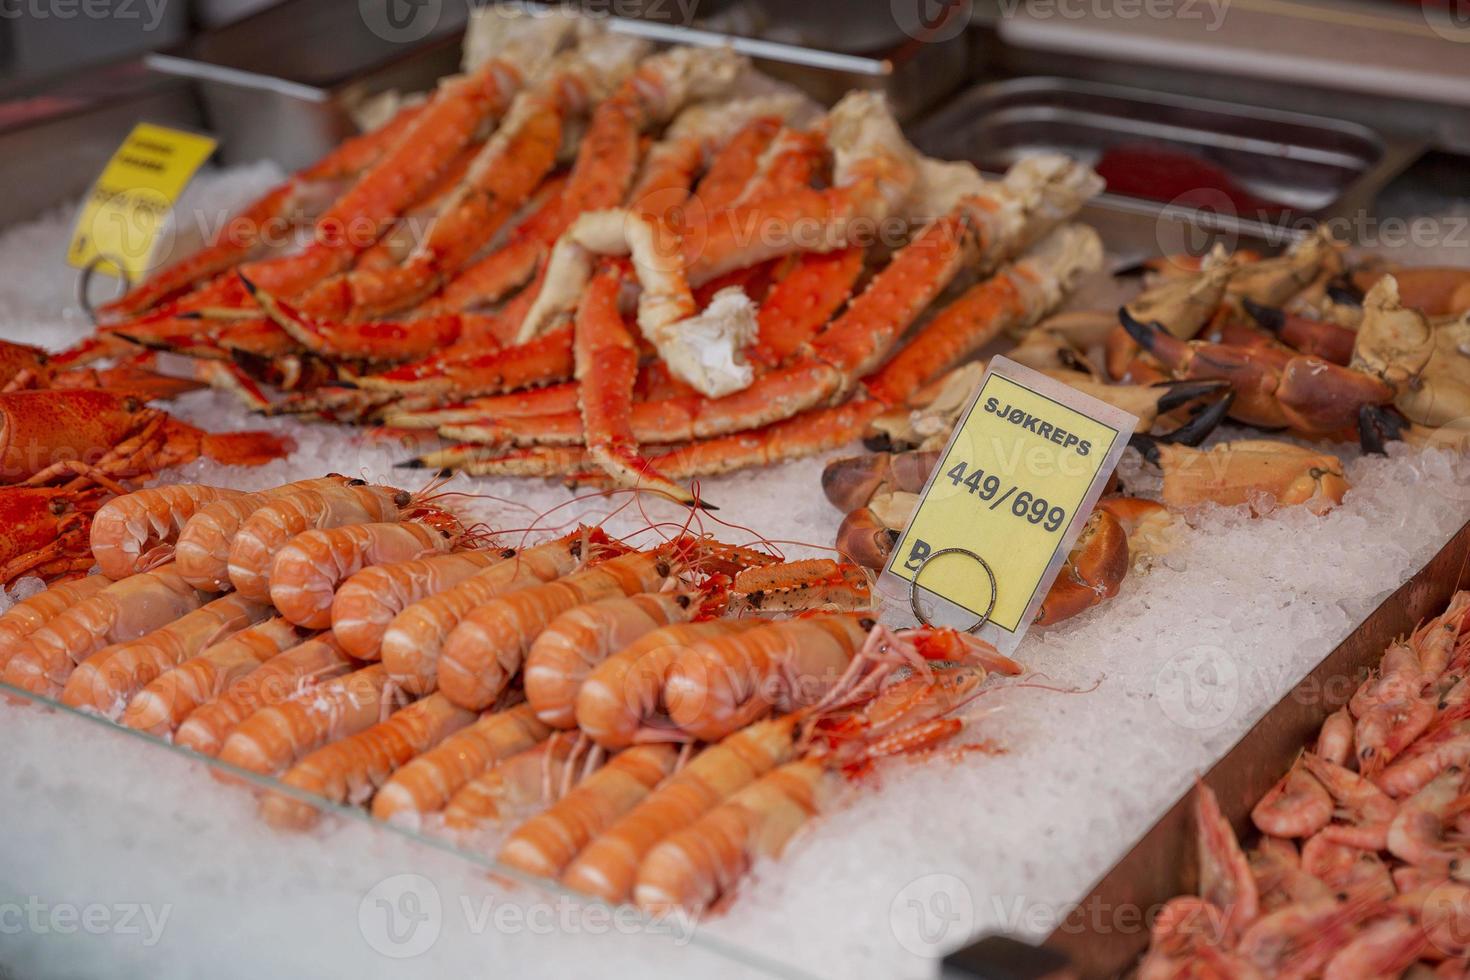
point(281, 84)
point(55, 139)
point(1313, 166)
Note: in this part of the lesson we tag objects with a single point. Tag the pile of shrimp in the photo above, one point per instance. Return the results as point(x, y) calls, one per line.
point(639, 723)
point(1363, 866)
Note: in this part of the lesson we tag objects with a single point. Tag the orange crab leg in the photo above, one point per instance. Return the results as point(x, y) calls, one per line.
point(734, 166)
point(979, 315)
point(377, 340)
point(607, 364)
point(498, 181)
point(802, 301)
point(607, 160)
point(358, 218)
point(239, 237)
point(544, 360)
point(494, 277)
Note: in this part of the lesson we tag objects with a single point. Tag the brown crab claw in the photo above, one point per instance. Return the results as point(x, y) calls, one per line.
point(1152, 337)
point(1204, 421)
point(1344, 292)
point(1181, 393)
point(865, 539)
point(1378, 425)
point(850, 482)
point(1329, 341)
point(1191, 433)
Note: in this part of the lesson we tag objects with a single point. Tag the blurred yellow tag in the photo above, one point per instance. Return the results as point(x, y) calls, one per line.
point(1022, 471)
point(129, 204)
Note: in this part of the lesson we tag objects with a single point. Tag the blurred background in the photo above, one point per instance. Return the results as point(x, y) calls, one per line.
point(1279, 107)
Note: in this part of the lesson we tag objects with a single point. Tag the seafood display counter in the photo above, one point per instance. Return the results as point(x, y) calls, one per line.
point(493, 587)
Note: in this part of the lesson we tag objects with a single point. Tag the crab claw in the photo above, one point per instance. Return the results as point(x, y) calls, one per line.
point(1344, 292)
point(1191, 433)
point(1329, 341)
point(865, 539)
point(852, 482)
point(1093, 571)
point(1250, 471)
point(1204, 421)
point(1149, 336)
point(1181, 393)
point(1378, 425)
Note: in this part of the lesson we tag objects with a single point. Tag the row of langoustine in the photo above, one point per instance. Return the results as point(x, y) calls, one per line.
point(1360, 869)
point(315, 634)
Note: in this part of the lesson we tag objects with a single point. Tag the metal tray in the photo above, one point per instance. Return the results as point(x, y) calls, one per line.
point(1314, 166)
point(56, 138)
point(281, 84)
point(1162, 864)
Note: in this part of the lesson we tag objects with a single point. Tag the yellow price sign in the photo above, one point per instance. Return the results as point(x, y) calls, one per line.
point(122, 216)
point(1013, 488)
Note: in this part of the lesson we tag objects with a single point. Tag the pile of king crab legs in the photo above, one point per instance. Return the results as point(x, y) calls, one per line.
point(777, 263)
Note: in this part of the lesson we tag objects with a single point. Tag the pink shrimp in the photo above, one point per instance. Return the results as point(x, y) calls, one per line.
point(1225, 879)
point(25, 617)
point(1280, 880)
point(624, 693)
point(522, 783)
point(1366, 808)
point(367, 602)
point(1388, 727)
point(163, 704)
point(547, 842)
point(137, 531)
point(202, 552)
point(488, 646)
point(106, 680)
point(306, 572)
point(1297, 806)
point(124, 610)
point(583, 637)
point(351, 770)
point(1434, 642)
point(1414, 774)
point(414, 640)
point(1335, 740)
point(427, 782)
point(277, 735)
point(1384, 948)
point(284, 516)
point(1346, 870)
point(1416, 834)
point(281, 677)
point(1443, 909)
point(1297, 941)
